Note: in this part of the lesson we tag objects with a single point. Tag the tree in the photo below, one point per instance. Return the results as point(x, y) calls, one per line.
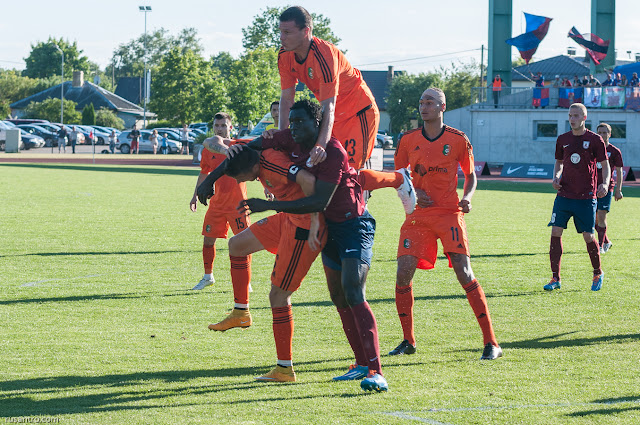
point(49, 109)
point(264, 30)
point(128, 58)
point(179, 86)
point(89, 115)
point(215, 97)
point(254, 83)
point(404, 95)
point(107, 118)
point(222, 62)
point(459, 82)
point(5, 110)
point(14, 87)
point(45, 61)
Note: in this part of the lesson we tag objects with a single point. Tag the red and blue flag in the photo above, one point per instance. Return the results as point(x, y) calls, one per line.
point(596, 47)
point(527, 43)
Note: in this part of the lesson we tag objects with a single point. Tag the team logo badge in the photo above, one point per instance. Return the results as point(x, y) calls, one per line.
point(268, 183)
point(406, 243)
point(293, 169)
point(446, 150)
point(585, 144)
point(310, 73)
point(608, 154)
point(598, 166)
point(208, 228)
point(575, 158)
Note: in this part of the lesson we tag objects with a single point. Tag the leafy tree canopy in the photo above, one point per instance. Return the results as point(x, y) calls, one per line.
point(264, 31)
point(89, 115)
point(107, 118)
point(45, 60)
point(49, 109)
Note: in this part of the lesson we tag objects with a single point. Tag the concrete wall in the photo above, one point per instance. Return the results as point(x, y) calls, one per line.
point(503, 135)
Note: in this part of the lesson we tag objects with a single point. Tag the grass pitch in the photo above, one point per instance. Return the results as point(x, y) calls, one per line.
point(99, 325)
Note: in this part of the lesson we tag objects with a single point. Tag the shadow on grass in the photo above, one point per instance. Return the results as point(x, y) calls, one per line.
point(96, 297)
point(610, 410)
point(55, 254)
point(169, 170)
point(115, 392)
point(553, 341)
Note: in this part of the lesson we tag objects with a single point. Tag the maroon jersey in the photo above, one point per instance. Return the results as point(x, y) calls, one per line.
point(579, 155)
point(615, 160)
point(347, 201)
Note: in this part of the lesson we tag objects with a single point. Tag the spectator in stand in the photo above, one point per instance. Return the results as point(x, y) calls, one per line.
point(134, 135)
point(73, 138)
point(165, 144)
point(594, 82)
point(616, 81)
point(576, 81)
point(497, 88)
point(623, 81)
point(634, 82)
point(566, 83)
point(557, 82)
point(608, 81)
point(585, 81)
point(538, 79)
point(184, 138)
point(62, 139)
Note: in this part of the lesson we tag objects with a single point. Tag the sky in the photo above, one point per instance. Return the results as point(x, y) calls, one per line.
point(414, 36)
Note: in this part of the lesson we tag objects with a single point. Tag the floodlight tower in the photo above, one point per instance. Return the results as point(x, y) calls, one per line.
point(145, 9)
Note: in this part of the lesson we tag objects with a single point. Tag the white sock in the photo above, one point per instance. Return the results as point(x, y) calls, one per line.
point(237, 305)
point(285, 363)
point(208, 276)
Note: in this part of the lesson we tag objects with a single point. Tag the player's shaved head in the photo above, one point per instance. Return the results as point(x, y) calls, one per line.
point(222, 116)
point(604, 125)
point(579, 106)
point(436, 94)
point(299, 15)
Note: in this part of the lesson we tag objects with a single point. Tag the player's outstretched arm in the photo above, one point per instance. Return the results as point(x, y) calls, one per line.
point(216, 144)
point(315, 203)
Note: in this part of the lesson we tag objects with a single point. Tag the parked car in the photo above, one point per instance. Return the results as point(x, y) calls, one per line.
point(257, 130)
point(31, 141)
point(100, 137)
point(384, 141)
point(124, 142)
point(50, 137)
point(106, 130)
point(17, 121)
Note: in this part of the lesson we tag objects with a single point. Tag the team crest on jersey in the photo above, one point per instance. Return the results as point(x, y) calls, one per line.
point(585, 144)
point(575, 158)
point(310, 73)
point(598, 166)
point(608, 154)
point(406, 243)
point(446, 150)
point(268, 183)
point(208, 228)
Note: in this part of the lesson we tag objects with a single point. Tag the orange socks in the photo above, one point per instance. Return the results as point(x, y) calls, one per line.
point(478, 302)
point(372, 180)
point(208, 255)
point(240, 278)
point(283, 331)
point(404, 305)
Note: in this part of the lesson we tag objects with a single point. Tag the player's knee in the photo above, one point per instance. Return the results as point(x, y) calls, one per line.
point(354, 293)
point(234, 247)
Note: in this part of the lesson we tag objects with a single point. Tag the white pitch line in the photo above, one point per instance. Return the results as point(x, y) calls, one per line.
point(30, 284)
point(406, 415)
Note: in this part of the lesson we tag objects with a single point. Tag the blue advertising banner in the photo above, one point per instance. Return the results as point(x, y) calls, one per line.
point(519, 169)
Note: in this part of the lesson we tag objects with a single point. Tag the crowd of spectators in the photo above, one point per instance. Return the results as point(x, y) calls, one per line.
point(591, 81)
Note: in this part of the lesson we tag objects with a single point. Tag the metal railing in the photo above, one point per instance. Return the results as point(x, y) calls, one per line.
point(506, 98)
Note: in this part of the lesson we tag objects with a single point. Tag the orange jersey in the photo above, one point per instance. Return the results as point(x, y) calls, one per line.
point(274, 171)
point(434, 165)
point(328, 74)
point(228, 193)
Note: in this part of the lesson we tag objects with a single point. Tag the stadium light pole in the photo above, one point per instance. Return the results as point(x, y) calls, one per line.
point(145, 9)
point(61, 89)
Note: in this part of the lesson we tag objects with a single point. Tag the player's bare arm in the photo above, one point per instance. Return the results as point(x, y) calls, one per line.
point(193, 204)
point(557, 172)
point(216, 144)
point(287, 98)
point(315, 203)
point(422, 199)
point(617, 194)
point(318, 153)
point(603, 188)
point(255, 144)
point(469, 188)
point(206, 190)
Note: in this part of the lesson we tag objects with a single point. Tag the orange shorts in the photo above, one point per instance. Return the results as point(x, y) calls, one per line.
point(216, 223)
point(294, 258)
point(419, 237)
point(358, 135)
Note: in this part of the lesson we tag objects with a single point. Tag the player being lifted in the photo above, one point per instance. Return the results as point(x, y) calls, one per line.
point(296, 239)
point(349, 110)
point(434, 152)
point(221, 213)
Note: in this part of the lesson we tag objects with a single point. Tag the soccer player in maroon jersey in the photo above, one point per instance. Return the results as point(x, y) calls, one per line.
point(575, 179)
point(348, 252)
point(604, 204)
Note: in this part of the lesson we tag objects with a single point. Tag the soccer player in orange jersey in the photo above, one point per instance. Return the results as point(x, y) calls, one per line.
point(297, 239)
point(222, 212)
point(434, 152)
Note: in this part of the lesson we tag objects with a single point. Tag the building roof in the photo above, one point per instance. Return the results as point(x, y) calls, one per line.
point(564, 66)
point(379, 83)
point(130, 88)
point(83, 95)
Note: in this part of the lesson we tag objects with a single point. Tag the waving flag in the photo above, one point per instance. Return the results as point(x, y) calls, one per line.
point(527, 43)
point(595, 46)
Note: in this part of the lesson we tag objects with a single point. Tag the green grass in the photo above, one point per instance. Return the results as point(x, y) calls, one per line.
point(99, 325)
